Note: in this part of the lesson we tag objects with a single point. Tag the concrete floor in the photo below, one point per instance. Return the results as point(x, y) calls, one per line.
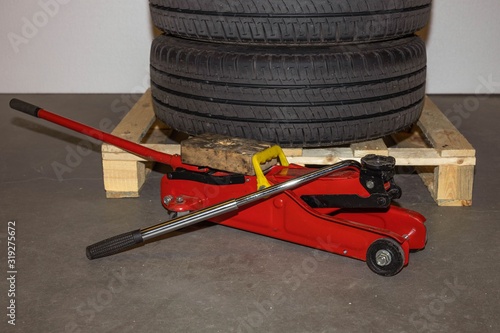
point(216, 279)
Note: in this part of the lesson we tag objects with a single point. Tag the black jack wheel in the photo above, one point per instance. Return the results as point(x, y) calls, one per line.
point(385, 257)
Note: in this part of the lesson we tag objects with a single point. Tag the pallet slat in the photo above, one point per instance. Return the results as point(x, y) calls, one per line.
point(377, 147)
point(442, 156)
point(124, 176)
point(138, 121)
point(442, 134)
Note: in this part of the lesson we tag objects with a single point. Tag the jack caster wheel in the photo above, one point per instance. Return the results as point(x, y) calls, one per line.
point(385, 257)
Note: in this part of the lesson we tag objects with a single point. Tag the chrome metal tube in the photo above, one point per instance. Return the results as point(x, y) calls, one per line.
point(190, 219)
point(235, 204)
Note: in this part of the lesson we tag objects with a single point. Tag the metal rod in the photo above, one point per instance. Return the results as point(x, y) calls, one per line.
point(190, 219)
point(131, 239)
point(234, 204)
point(129, 146)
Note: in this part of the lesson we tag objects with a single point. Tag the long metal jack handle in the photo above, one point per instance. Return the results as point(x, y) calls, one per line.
point(132, 147)
point(129, 240)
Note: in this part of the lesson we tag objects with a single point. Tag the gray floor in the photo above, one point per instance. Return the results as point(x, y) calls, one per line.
point(217, 279)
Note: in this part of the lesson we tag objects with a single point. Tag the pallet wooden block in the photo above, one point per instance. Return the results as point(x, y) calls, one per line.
point(442, 156)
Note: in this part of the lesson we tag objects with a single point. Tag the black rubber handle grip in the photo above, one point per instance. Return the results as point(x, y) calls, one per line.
point(114, 245)
point(24, 107)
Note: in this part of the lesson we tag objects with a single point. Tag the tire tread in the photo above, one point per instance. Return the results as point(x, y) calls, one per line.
point(290, 21)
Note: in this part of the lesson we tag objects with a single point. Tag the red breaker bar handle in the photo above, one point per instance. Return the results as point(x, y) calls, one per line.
point(131, 147)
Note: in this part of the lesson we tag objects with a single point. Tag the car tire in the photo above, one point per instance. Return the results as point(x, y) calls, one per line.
point(295, 97)
point(290, 21)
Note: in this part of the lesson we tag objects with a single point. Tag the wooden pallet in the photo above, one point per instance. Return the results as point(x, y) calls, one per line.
point(442, 156)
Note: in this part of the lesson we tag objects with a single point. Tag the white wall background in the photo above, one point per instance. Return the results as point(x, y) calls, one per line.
point(102, 46)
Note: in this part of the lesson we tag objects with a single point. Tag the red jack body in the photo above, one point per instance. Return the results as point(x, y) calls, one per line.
point(287, 216)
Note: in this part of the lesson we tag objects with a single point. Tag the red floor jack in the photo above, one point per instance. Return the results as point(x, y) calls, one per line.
point(343, 208)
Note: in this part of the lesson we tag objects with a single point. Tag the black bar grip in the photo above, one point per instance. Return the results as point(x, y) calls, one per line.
point(24, 107)
point(114, 245)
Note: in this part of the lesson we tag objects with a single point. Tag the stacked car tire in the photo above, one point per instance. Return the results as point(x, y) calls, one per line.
point(301, 73)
